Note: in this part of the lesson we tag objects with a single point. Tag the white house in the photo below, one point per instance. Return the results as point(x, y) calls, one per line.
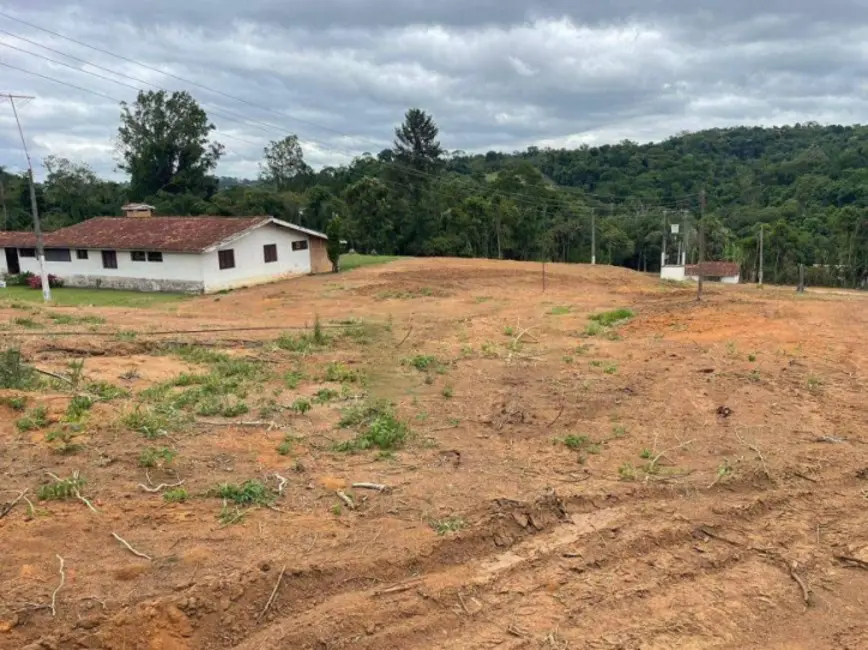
point(725, 272)
point(190, 254)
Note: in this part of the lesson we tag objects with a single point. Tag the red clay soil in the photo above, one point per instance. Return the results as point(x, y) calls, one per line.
point(695, 477)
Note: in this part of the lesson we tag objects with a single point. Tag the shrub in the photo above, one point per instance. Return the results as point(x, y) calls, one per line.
point(384, 430)
point(35, 419)
point(14, 373)
point(609, 318)
point(35, 282)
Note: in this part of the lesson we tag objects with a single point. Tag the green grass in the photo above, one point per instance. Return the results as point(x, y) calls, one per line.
point(177, 495)
point(151, 457)
point(14, 373)
point(15, 403)
point(610, 318)
point(340, 373)
point(593, 329)
point(61, 489)
point(249, 493)
point(448, 525)
point(352, 261)
point(381, 429)
point(26, 323)
point(64, 439)
point(292, 379)
point(36, 418)
point(560, 310)
point(325, 395)
point(70, 319)
point(301, 406)
point(68, 296)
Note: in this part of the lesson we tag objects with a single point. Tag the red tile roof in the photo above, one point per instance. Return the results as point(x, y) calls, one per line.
point(713, 269)
point(173, 234)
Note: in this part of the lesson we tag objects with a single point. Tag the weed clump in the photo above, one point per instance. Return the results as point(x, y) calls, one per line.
point(249, 493)
point(614, 317)
point(36, 418)
point(61, 489)
point(14, 373)
point(381, 428)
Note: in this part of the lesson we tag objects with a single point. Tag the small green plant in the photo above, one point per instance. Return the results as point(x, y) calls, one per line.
point(481, 299)
point(285, 447)
point(509, 331)
point(489, 350)
point(153, 422)
point(234, 409)
point(338, 372)
point(596, 363)
point(14, 373)
point(65, 437)
point(619, 431)
point(755, 376)
point(27, 323)
point(293, 378)
point(126, 335)
point(421, 362)
point(567, 359)
point(301, 406)
point(268, 409)
point(151, 457)
point(36, 418)
point(447, 392)
point(229, 516)
point(614, 317)
point(15, 403)
point(646, 454)
point(593, 329)
point(751, 357)
point(560, 310)
point(466, 351)
point(448, 525)
point(814, 383)
point(627, 472)
point(576, 442)
point(61, 489)
point(383, 430)
point(175, 495)
point(76, 372)
point(78, 406)
point(199, 354)
point(731, 349)
point(611, 369)
point(336, 510)
point(325, 395)
point(106, 391)
point(249, 493)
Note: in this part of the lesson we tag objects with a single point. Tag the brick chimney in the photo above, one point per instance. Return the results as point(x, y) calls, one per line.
point(138, 210)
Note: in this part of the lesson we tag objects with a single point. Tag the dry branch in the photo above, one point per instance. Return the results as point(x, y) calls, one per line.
point(59, 587)
point(379, 487)
point(130, 548)
point(406, 336)
point(657, 458)
point(160, 486)
point(759, 454)
point(283, 483)
point(8, 508)
point(398, 588)
point(806, 594)
point(273, 593)
point(852, 562)
point(54, 375)
point(347, 500)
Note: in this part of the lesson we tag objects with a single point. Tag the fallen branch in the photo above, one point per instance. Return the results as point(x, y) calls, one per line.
point(558, 416)
point(807, 478)
point(406, 336)
point(347, 500)
point(130, 548)
point(399, 588)
point(852, 562)
point(85, 501)
point(518, 338)
point(759, 454)
point(806, 594)
point(54, 593)
point(54, 375)
point(160, 486)
point(231, 423)
point(8, 508)
point(657, 458)
point(273, 593)
point(379, 487)
point(283, 483)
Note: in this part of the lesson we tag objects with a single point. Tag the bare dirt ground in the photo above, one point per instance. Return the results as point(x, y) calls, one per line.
point(695, 477)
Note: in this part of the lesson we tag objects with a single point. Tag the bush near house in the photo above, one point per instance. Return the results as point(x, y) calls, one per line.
point(35, 282)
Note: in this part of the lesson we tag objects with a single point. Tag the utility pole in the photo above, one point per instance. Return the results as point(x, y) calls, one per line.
point(663, 247)
point(701, 244)
point(593, 236)
point(37, 229)
point(3, 201)
point(762, 227)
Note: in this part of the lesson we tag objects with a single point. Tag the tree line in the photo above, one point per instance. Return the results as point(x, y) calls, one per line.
point(805, 186)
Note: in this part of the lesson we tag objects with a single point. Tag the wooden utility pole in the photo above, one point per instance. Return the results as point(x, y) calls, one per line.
point(801, 287)
point(593, 236)
point(762, 227)
point(701, 244)
point(34, 209)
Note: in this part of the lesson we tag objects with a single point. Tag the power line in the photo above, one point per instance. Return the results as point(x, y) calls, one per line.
point(406, 169)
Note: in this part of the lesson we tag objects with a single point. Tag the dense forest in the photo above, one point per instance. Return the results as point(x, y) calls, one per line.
point(806, 186)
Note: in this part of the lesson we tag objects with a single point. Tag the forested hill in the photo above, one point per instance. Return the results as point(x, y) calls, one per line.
point(805, 185)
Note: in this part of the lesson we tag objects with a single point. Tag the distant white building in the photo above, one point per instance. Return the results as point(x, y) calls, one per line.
point(189, 254)
point(725, 272)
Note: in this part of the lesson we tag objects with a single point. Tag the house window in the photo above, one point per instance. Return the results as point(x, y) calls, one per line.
point(26, 252)
point(155, 256)
point(138, 256)
point(299, 245)
point(109, 259)
point(226, 259)
point(58, 255)
point(270, 252)
point(81, 254)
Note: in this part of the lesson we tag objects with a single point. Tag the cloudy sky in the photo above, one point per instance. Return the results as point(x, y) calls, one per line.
point(496, 74)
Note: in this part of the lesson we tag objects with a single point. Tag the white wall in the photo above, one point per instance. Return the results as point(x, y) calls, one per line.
point(728, 279)
point(182, 268)
point(670, 272)
point(250, 267)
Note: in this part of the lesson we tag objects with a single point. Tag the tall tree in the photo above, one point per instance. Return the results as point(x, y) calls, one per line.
point(284, 161)
point(416, 143)
point(163, 144)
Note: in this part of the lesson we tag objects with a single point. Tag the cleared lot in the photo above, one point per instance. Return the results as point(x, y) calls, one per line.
point(604, 464)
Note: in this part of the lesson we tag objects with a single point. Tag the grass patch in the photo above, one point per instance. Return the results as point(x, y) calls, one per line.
point(560, 310)
point(305, 342)
point(69, 319)
point(26, 323)
point(249, 493)
point(293, 378)
point(593, 329)
point(152, 458)
point(351, 261)
point(15, 403)
point(580, 443)
point(176, 495)
point(78, 406)
point(153, 421)
point(447, 392)
point(286, 446)
point(338, 372)
point(325, 395)
point(36, 418)
point(63, 441)
point(70, 296)
point(611, 369)
point(106, 391)
point(14, 373)
point(61, 489)
point(301, 406)
point(610, 318)
point(381, 428)
point(422, 292)
point(448, 525)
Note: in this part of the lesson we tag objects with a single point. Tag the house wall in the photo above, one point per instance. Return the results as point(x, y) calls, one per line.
point(670, 272)
point(727, 279)
point(250, 267)
point(319, 257)
point(180, 272)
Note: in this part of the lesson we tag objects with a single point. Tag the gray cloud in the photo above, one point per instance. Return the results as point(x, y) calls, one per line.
point(495, 73)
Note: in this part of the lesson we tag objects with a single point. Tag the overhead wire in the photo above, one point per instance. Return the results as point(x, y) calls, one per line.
point(676, 202)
